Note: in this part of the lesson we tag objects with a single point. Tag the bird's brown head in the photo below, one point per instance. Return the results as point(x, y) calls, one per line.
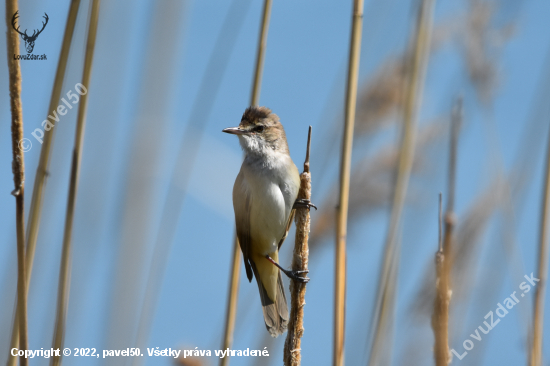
point(260, 131)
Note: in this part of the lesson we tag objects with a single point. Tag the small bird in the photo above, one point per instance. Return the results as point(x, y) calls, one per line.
point(264, 199)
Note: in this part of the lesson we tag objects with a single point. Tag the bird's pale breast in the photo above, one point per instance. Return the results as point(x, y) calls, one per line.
point(272, 193)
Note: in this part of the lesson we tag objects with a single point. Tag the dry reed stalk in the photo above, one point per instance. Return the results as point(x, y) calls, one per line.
point(440, 317)
point(300, 258)
point(542, 272)
point(64, 273)
point(33, 224)
point(18, 169)
point(343, 198)
point(43, 163)
point(413, 95)
point(260, 56)
point(232, 296)
point(232, 299)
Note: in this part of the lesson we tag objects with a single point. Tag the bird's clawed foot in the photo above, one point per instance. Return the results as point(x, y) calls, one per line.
point(295, 275)
point(290, 274)
point(301, 203)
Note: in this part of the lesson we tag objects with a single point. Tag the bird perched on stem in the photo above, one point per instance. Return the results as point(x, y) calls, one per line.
point(264, 198)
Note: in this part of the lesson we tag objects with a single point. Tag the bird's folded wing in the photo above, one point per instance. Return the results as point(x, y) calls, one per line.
point(241, 203)
point(288, 224)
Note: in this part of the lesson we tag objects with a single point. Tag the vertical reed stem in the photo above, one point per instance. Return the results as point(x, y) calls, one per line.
point(542, 273)
point(41, 172)
point(345, 167)
point(292, 355)
point(64, 273)
point(18, 169)
point(232, 298)
point(260, 56)
point(443, 257)
point(418, 63)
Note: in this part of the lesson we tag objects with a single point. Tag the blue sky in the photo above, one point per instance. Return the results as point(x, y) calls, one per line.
point(144, 84)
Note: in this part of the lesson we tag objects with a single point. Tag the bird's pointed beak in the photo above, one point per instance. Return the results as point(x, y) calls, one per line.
point(235, 131)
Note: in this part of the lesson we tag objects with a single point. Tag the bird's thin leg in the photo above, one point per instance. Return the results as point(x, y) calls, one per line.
point(301, 203)
point(290, 274)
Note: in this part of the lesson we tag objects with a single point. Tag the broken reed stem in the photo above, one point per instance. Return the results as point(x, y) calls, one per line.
point(231, 312)
point(443, 257)
point(292, 355)
point(64, 273)
point(343, 199)
point(413, 95)
point(18, 169)
point(538, 316)
point(440, 316)
point(33, 224)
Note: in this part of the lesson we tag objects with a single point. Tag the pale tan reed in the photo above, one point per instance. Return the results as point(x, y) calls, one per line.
point(18, 169)
point(343, 198)
point(42, 170)
point(300, 259)
point(444, 259)
point(542, 272)
point(65, 265)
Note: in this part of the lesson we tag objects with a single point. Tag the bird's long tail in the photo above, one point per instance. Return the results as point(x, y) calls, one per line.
point(275, 313)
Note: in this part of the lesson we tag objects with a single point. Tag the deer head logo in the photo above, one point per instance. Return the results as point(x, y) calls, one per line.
point(29, 40)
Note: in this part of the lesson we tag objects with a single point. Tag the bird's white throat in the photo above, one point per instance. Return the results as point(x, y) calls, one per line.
point(258, 151)
point(264, 160)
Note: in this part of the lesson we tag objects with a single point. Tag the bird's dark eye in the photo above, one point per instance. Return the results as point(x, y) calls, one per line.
point(259, 128)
